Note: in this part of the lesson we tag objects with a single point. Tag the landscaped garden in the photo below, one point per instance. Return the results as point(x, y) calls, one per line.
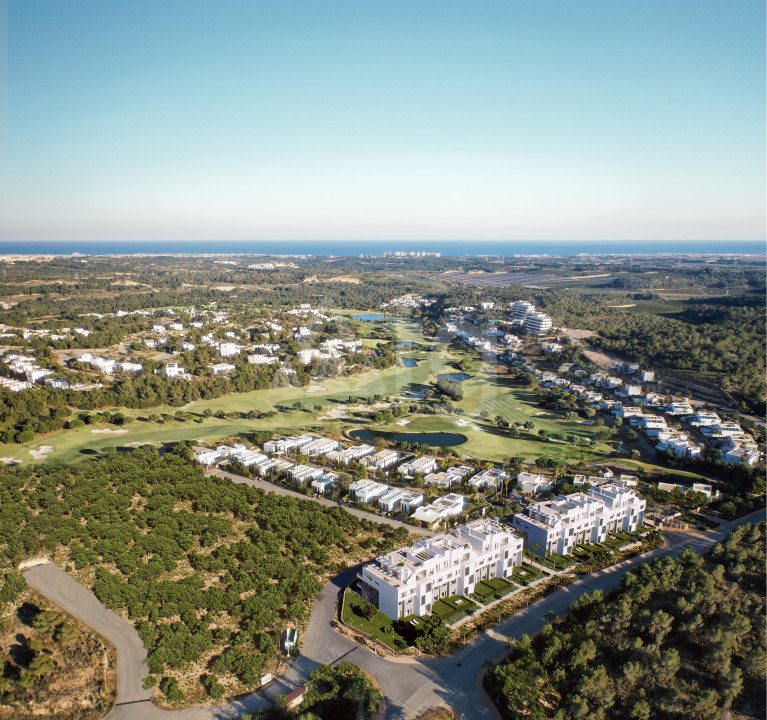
point(619, 540)
point(525, 574)
point(554, 562)
point(491, 589)
point(453, 609)
point(360, 614)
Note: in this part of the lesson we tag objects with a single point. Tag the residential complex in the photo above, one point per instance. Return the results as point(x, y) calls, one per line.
point(558, 525)
point(409, 581)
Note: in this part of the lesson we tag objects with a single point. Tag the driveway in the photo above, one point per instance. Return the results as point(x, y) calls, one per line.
point(409, 685)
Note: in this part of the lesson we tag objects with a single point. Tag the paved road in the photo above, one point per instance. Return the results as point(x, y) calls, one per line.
point(279, 490)
point(410, 686)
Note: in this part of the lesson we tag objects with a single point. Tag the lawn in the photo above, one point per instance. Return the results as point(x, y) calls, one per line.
point(526, 574)
point(380, 627)
point(493, 589)
point(454, 608)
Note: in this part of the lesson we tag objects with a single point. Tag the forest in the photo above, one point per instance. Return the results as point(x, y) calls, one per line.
point(682, 639)
point(209, 572)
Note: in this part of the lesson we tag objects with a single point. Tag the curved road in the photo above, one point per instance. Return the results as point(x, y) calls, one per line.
point(409, 685)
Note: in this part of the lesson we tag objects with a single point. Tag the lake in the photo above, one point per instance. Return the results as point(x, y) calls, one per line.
point(409, 362)
point(370, 317)
point(454, 376)
point(433, 439)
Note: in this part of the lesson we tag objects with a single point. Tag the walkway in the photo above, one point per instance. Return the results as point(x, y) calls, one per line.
point(279, 490)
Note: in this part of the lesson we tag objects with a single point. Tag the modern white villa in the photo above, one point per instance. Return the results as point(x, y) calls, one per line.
point(410, 580)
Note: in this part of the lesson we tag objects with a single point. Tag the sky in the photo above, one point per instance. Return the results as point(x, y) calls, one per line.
point(434, 119)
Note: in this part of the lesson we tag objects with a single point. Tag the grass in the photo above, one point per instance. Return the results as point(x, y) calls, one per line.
point(454, 608)
point(381, 626)
point(493, 589)
point(524, 575)
point(555, 562)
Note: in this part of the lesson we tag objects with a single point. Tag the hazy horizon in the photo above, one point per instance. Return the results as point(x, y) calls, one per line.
point(506, 121)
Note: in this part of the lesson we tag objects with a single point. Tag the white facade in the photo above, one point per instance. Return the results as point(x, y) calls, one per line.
point(490, 477)
point(447, 506)
point(409, 581)
point(397, 499)
point(423, 465)
point(538, 323)
point(532, 484)
point(382, 459)
point(365, 491)
point(557, 525)
point(174, 370)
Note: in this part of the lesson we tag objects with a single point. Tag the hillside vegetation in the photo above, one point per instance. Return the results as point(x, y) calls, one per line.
point(683, 639)
point(209, 572)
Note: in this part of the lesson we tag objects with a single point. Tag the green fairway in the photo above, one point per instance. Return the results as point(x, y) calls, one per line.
point(483, 391)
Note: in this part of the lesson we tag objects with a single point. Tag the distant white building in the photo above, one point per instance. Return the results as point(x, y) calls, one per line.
point(222, 368)
point(174, 370)
point(532, 484)
point(382, 460)
point(226, 349)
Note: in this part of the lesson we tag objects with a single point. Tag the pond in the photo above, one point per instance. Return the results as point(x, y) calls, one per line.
point(454, 376)
point(407, 345)
point(370, 317)
point(409, 362)
point(433, 439)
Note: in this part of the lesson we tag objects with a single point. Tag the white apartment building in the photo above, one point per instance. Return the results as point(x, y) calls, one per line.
point(520, 309)
point(262, 359)
point(705, 417)
point(678, 443)
point(351, 454)
point(423, 465)
point(652, 422)
point(410, 580)
point(447, 506)
point(558, 525)
point(320, 446)
point(538, 323)
point(382, 459)
point(365, 491)
point(222, 368)
point(280, 447)
point(532, 484)
point(226, 349)
point(397, 499)
point(491, 477)
point(680, 408)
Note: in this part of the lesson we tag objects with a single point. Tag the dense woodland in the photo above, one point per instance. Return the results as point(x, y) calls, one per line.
point(208, 571)
point(682, 639)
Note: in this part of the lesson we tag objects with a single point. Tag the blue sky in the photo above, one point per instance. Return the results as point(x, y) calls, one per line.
point(188, 120)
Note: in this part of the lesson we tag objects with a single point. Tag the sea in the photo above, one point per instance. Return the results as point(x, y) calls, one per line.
point(568, 248)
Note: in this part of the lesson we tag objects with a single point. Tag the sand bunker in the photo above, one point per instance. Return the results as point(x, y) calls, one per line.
point(10, 461)
point(403, 422)
point(107, 431)
point(42, 452)
point(315, 388)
